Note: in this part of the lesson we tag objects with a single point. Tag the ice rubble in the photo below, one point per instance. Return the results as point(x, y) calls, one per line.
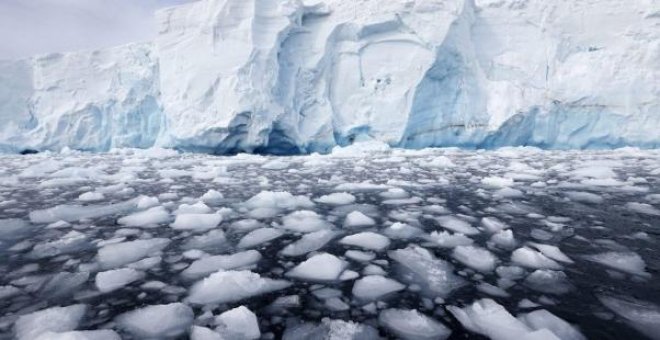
point(304, 76)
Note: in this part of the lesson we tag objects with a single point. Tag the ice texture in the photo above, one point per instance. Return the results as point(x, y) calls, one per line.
point(302, 76)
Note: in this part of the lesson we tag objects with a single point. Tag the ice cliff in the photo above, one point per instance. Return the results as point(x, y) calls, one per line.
point(292, 76)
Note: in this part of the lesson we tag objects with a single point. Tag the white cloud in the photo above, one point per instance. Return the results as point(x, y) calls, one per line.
point(29, 27)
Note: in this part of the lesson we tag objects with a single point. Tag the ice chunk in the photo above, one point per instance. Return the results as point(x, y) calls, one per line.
point(196, 222)
point(475, 257)
point(493, 225)
point(627, 262)
point(548, 281)
point(259, 236)
point(231, 286)
point(497, 182)
point(373, 287)
point(641, 315)
point(320, 267)
point(337, 198)
point(208, 265)
point(542, 319)
point(119, 254)
point(446, 239)
point(114, 279)
point(13, 228)
point(357, 219)
point(157, 321)
point(212, 197)
point(71, 213)
point(203, 333)
point(104, 334)
point(530, 258)
point(412, 325)
point(213, 241)
point(331, 330)
point(504, 239)
point(197, 208)
point(435, 275)
point(238, 323)
point(489, 318)
point(91, 197)
point(304, 221)
point(278, 200)
point(150, 217)
point(367, 240)
point(552, 252)
point(309, 243)
point(584, 197)
point(402, 231)
point(457, 225)
point(643, 208)
point(54, 319)
point(71, 242)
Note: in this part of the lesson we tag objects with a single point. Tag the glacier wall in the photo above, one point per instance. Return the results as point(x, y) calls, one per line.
point(291, 76)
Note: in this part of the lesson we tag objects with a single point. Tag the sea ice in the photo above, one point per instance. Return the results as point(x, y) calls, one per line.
point(119, 254)
point(412, 325)
point(373, 287)
point(157, 321)
point(627, 262)
point(238, 323)
point(110, 280)
point(259, 236)
point(337, 198)
point(54, 319)
point(309, 243)
point(196, 222)
point(530, 258)
point(211, 264)
point(435, 275)
point(304, 221)
point(357, 219)
point(367, 240)
point(320, 267)
point(150, 217)
point(231, 286)
point(475, 257)
point(457, 225)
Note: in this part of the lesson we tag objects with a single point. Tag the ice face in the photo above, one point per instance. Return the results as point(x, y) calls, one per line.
point(307, 76)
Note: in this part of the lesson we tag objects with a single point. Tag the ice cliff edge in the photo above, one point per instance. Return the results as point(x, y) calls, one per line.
point(288, 76)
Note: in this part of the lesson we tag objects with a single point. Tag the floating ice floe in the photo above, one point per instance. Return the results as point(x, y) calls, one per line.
point(627, 262)
point(54, 319)
point(357, 219)
point(366, 240)
point(542, 319)
point(309, 243)
point(530, 258)
point(337, 198)
point(231, 286)
point(238, 323)
point(157, 321)
point(304, 221)
point(641, 315)
point(548, 281)
point(434, 275)
point(456, 224)
point(119, 254)
point(148, 218)
point(320, 267)
point(211, 264)
point(259, 236)
point(412, 325)
point(196, 222)
point(71, 213)
point(111, 280)
point(104, 334)
point(476, 258)
point(331, 330)
point(374, 287)
point(212, 197)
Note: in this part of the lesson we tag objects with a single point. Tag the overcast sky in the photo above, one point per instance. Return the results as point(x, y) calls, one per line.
point(29, 27)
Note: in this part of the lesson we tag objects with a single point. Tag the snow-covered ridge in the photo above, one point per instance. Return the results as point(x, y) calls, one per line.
point(305, 75)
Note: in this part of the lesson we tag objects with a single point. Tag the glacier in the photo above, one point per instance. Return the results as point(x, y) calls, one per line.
point(302, 76)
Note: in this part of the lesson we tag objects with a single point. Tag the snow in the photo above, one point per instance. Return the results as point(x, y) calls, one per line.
point(238, 323)
point(196, 222)
point(366, 240)
point(475, 74)
point(373, 287)
point(54, 319)
point(157, 321)
point(211, 264)
point(320, 267)
point(475, 257)
point(110, 280)
point(119, 254)
point(231, 286)
point(412, 325)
